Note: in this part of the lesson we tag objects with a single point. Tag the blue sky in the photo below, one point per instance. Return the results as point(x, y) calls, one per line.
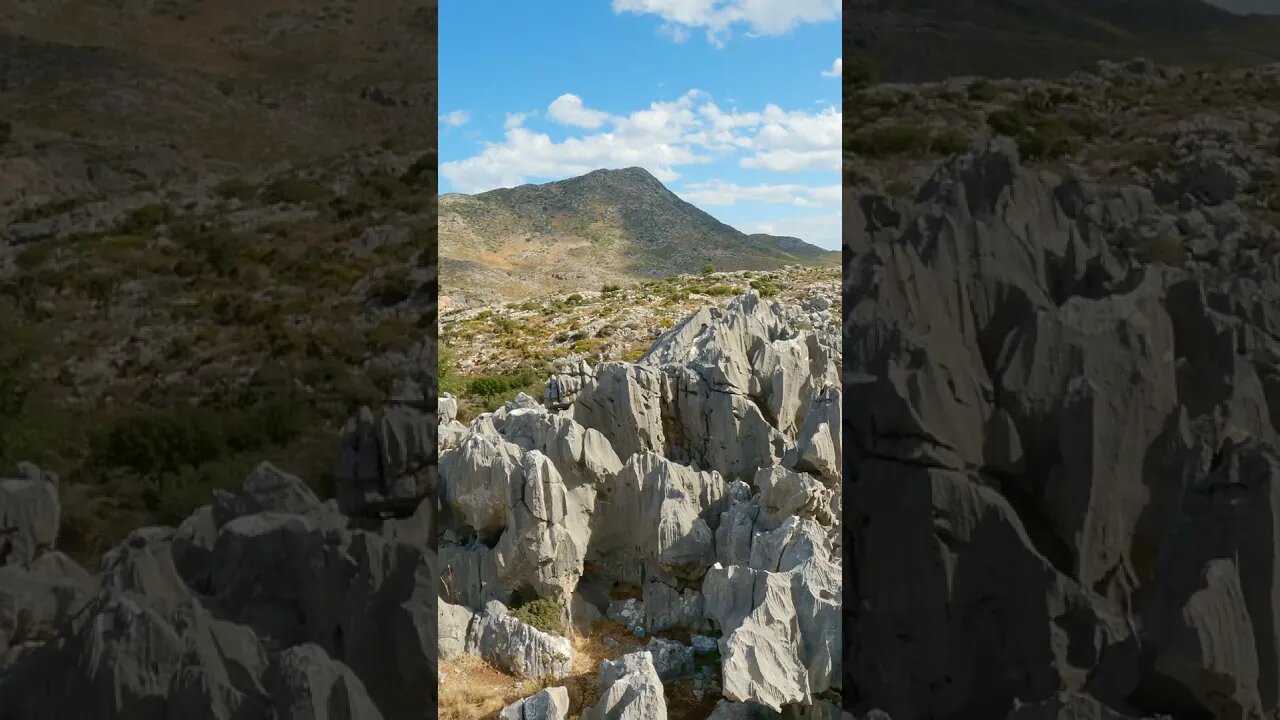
point(734, 104)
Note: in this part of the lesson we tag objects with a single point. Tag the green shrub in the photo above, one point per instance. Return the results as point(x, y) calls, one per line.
point(544, 614)
point(1008, 121)
point(609, 289)
point(145, 219)
point(217, 249)
point(718, 290)
point(34, 255)
point(235, 189)
point(168, 441)
point(860, 72)
point(394, 287)
point(708, 269)
point(421, 172)
point(1047, 140)
point(888, 140)
point(294, 191)
point(983, 90)
point(949, 142)
point(765, 288)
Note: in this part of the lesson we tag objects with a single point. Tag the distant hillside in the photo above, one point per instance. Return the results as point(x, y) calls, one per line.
point(921, 40)
point(607, 224)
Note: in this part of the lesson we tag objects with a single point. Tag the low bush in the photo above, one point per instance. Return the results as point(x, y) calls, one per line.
point(544, 614)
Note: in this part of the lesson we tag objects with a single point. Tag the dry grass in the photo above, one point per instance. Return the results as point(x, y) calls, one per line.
point(472, 689)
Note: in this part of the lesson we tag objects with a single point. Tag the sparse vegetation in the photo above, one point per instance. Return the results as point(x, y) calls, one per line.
point(861, 71)
point(545, 614)
point(235, 189)
point(296, 191)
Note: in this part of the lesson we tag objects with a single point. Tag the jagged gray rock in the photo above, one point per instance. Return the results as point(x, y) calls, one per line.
point(29, 515)
point(630, 690)
point(519, 648)
point(1053, 434)
point(549, 704)
point(720, 444)
point(264, 604)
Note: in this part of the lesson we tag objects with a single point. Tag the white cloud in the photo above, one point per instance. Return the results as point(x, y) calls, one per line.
point(797, 140)
point(515, 120)
point(719, 193)
point(569, 110)
point(662, 137)
point(821, 230)
point(457, 118)
point(837, 69)
point(718, 17)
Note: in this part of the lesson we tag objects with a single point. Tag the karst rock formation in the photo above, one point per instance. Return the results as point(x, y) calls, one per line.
point(706, 475)
point(1062, 476)
point(268, 604)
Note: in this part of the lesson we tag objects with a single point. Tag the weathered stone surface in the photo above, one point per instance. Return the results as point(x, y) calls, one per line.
point(641, 475)
point(516, 647)
point(630, 690)
point(1062, 454)
point(29, 515)
point(549, 704)
point(304, 682)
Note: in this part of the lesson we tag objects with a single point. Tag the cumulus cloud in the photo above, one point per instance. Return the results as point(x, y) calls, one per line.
point(837, 69)
point(515, 120)
point(719, 193)
point(821, 230)
point(719, 17)
point(662, 137)
point(797, 140)
point(457, 118)
point(568, 109)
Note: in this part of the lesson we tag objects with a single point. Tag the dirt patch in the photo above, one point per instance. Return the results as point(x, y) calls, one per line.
point(472, 689)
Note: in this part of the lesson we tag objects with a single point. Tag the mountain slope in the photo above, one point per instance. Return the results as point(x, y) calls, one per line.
point(605, 225)
point(921, 40)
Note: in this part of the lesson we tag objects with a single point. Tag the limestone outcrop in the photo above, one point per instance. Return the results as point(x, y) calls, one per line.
point(1062, 454)
point(706, 476)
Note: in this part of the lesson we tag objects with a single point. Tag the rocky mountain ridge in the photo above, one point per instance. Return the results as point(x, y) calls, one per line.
point(925, 40)
point(605, 226)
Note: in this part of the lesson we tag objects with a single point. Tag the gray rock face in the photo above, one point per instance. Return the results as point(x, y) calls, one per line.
point(386, 459)
point(630, 690)
point(263, 604)
point(1058, 454)
point(715, 458)
point(549, 704)
point(304, 682)
point(518, 648)
point(29, 515)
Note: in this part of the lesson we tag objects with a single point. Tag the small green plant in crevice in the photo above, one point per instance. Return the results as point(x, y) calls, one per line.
point(545, 614)
point(708, 269)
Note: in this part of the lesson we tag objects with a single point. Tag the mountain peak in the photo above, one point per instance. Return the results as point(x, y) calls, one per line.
point(606, 224)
